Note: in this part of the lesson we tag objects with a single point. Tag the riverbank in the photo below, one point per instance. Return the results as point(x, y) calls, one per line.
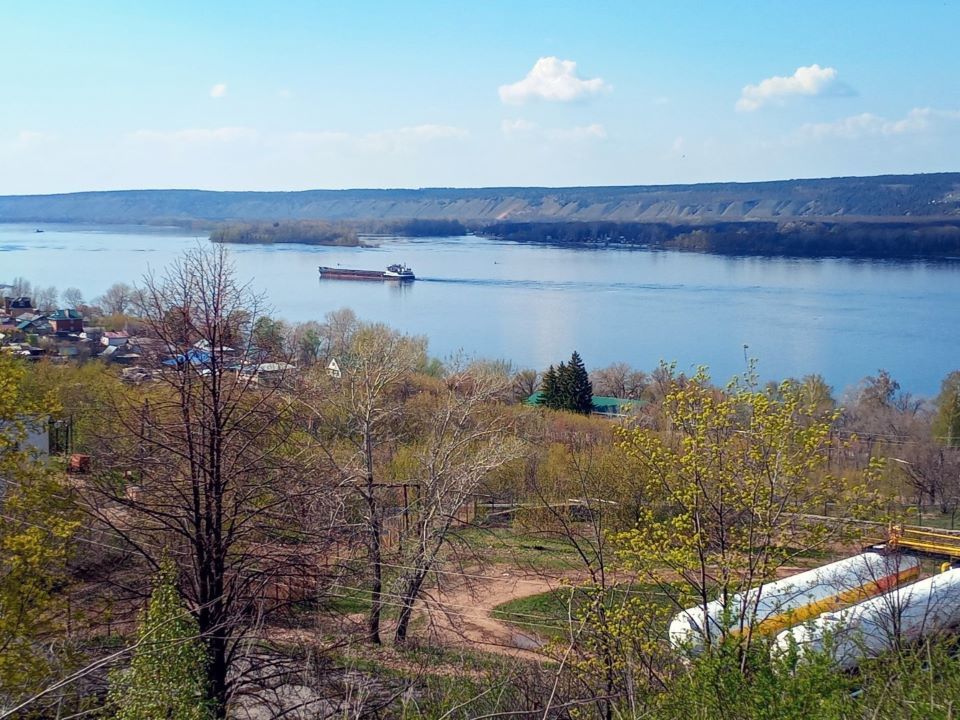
point(936, 239)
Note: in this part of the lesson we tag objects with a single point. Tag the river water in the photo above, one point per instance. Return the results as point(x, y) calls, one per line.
point(533, 305)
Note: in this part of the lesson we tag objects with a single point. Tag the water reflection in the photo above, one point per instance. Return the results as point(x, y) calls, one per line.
point(534, 305)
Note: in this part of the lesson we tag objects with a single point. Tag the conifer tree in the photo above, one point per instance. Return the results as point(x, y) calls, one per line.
point(567, 387)
point(548, 389)
point(561, 399)
point(167, 677)
point(578, 389)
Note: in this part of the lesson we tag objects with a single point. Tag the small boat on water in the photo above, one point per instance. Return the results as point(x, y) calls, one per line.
point(397, 272)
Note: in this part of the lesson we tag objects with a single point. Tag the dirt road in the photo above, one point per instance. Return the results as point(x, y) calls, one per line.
point(459, 614)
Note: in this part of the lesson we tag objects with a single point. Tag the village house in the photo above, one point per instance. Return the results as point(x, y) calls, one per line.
point(114, 339)
point(17, 306)
point(92, 333)
point(269, 374)
point(66, 321)
point(32, 324)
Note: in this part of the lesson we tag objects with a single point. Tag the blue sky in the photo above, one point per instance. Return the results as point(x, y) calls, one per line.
point(295, 95)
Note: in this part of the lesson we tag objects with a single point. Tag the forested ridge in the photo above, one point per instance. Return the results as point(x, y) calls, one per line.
point(795, 237)
point(883, 216)
point(887, 196)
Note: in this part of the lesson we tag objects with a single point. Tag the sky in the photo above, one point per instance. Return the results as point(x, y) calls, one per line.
point(295, 95)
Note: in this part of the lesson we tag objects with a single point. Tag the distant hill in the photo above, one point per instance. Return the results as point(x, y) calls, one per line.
point(916, 197)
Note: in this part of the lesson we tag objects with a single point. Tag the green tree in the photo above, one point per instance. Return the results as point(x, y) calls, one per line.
point(715, 687)
point(202, 462)
point(577, 387)
point(270, 335)
point(731, 469)
point(567, 387)
point(167, 677)
point(946, 424)
point(36, 524)
point(549, 389)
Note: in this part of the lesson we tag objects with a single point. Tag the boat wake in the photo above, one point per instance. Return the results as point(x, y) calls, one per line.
point(550, 284)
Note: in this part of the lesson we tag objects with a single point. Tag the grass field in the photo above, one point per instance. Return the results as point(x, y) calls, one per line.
point(507, 546)
point(554, 608)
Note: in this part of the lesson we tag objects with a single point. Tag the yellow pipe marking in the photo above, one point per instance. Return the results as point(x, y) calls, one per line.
point(775, 623)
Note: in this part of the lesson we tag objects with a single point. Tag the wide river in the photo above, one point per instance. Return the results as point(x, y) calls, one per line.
point(533, 305)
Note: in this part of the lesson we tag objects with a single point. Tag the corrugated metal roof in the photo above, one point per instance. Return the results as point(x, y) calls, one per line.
point(65, 314)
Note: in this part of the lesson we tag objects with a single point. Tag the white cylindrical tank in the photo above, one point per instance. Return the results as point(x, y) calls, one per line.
point(770, 608)
point(903, 615)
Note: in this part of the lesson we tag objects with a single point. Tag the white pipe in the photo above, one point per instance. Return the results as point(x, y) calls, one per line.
point(902, 616)
point(774, 606)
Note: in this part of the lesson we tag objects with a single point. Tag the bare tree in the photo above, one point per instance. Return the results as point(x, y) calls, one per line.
point(337, 332)
point(619, 380)
point(21, 287)
point(356, 416)
point(307, 343)
point(72, 297)
point(45, 298)
point(525, 384)
point(933, 471)
point(201, 467)
point(463, 433)
point(118, 299)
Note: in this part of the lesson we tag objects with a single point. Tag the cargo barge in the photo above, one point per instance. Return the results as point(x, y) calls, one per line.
point(397, 272)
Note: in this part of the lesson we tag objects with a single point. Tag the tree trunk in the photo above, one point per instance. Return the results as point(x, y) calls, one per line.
point(376, 587)
point(410, 594)
point(374, 549)
point(218, 676)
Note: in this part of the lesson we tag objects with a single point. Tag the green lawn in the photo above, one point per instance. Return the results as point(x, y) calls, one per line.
point(507, 546)
point(346, 601)
point(548, 613)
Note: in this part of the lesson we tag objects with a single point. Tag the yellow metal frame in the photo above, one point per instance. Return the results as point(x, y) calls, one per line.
point(925, 541)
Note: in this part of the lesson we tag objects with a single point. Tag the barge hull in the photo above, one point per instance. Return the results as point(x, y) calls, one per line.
point(348, 274)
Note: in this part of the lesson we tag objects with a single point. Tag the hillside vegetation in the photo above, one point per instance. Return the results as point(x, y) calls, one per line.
point(900, 196)
point(884, 217)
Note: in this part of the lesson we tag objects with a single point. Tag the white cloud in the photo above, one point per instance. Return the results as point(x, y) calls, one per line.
point(406, 138)
point(320, 137)
point(595, 131)
point(284, 93)
point(854, 127)
point(27, 139)
point(521, 128)
point(219, 90)
point(428, 132)
point(805, 81)
point(192, 136)
point(381, 140)
point(518, 126)
point(551, 79)
point(384, 141)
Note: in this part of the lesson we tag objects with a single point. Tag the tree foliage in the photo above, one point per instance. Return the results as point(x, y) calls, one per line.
point(946, 424)
point(167, 677)
point(732, 470)
point(200, 464)
point(36, 526)
point(567, 387)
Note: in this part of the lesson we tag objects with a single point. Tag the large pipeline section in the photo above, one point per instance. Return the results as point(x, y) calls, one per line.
point(902, 616)
point(774, 606)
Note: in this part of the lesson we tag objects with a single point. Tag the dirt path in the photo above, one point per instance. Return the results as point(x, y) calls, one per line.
point(459, 614)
